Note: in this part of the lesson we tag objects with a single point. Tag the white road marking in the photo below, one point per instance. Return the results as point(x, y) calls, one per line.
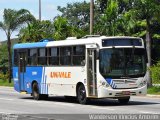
point(6, 99)
point(64, 104)
point(147, 112)
point(9, 92)
point(33, 101)
point(105, 108)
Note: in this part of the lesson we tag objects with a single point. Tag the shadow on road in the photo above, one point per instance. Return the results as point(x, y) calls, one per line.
point(94, 102)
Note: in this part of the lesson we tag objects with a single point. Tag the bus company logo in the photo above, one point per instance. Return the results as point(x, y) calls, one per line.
point(60, 74)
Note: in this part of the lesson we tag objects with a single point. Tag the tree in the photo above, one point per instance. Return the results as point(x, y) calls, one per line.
point(77, 15)
point(147, 10)
point(36, 31)
point(102, 5)
point(13, 20)
point(108, 20)
point(63, 29)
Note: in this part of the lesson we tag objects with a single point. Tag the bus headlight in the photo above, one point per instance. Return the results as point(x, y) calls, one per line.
point(104, 84)
point(143, 83)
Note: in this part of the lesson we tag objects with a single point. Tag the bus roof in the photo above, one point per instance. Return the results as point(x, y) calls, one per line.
point(67, 42)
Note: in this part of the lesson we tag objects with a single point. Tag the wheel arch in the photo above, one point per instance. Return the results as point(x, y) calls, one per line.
point(38, 84)
point(78, 84)
point(34, 81)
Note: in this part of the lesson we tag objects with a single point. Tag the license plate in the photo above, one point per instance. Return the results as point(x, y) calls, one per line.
point(125, 92)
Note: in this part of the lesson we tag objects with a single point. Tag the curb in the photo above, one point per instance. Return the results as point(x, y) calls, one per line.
point(150, 95)
point(6, 87)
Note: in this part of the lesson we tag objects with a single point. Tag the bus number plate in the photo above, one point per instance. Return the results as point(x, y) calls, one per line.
point(125, 92)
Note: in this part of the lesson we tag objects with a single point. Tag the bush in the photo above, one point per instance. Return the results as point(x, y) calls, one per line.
point(4, 77)
point(154, 90)
point(155, 73)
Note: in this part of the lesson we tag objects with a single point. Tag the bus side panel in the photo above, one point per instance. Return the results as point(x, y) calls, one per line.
point(32, 74)
point(63, 80)
point(16, 79)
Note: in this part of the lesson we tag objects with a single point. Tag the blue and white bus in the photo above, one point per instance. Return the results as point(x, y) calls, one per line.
point(90, 67)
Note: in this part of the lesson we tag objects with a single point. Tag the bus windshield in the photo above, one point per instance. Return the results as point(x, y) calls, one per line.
point(122, 62)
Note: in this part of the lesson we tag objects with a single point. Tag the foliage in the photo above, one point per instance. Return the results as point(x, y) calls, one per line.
point(108, 21)
point(4, 81)
point(155, 73)
point(63, 29)
point(154, 90)
point(36, 31)
point(77, 15)
point(3, 59)
point(101, 4)
point(4, 77)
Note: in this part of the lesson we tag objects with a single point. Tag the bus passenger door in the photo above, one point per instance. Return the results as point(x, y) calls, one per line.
point(21, 69)
point(91, 72)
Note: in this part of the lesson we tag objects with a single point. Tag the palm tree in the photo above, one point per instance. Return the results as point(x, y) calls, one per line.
point(12, 21)
point(36, 31)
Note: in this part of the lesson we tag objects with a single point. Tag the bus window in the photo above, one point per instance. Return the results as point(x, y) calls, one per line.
point(65, 55)
point(15, 58)
point(54, 56)
point(42, 56)
point(78, 55)
point(32, 57)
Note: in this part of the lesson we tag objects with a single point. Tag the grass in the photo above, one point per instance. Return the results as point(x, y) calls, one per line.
point(154, 90)
point(5, 83)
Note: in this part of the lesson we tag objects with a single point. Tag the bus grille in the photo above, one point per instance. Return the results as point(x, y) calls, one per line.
point(121, 94)
point(125, 83)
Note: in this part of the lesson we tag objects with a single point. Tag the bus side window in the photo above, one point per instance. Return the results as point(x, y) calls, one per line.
point(42, 59)
point(65, 55)
point(79, 55)
point(15, 58)
point(54, 56)
point(32, 57)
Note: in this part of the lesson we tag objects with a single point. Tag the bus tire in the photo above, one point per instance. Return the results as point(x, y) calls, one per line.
point(124, 100)
point(81, 94)
point(35, 92)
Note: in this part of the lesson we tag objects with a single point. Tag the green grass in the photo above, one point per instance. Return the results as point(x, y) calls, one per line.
point(5, 83)
point(154, 90)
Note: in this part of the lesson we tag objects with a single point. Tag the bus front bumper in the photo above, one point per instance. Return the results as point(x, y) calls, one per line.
point(104, 92)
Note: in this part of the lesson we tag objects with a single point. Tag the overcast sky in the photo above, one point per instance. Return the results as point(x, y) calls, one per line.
point(49, 9)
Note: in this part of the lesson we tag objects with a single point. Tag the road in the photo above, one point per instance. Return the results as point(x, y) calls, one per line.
point(12, 102)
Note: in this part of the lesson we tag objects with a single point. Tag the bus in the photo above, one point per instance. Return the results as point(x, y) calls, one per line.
point(87, 68)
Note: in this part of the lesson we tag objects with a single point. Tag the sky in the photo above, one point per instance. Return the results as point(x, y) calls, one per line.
point(49, 9)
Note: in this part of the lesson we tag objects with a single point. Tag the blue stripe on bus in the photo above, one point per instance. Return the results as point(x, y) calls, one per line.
point(44, 87)
point(30, 45)
point(111, 83)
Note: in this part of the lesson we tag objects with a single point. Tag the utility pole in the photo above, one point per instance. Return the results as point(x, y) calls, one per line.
point(40, 10)
point(91, 16)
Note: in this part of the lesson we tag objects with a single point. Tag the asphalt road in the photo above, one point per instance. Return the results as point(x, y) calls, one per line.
point(12, 102)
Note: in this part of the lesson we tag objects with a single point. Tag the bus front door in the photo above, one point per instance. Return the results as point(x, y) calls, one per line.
point(21, 69)
point(91, 73)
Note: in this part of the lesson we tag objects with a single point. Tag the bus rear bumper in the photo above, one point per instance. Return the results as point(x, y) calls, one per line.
point(104, 92)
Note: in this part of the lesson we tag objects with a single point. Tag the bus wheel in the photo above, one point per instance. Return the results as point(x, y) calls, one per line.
point(124, 100)
point(35, 92)
point(81, 95)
